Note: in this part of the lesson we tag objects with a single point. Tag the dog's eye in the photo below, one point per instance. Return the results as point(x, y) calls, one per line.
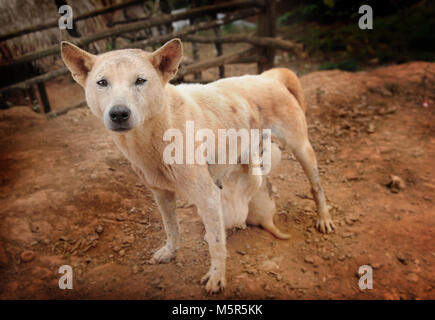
point(102, 83)
point(139, 81)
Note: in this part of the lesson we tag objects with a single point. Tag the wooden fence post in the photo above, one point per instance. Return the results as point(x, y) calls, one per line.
point(267, 28)
point(195, 46)
point(219, 51)
point(44, 98)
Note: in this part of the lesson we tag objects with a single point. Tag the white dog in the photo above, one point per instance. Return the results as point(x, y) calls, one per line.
point(129, 91)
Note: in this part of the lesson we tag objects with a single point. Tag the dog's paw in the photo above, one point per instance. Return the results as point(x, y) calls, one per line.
point(163, 255)
point(214, 281)
point(325, 225)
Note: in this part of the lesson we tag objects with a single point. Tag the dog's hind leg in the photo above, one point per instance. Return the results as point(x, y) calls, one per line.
point(166, 202)
point(293, 134)
point(261, 206)
point(262, 211)
point(304, 153)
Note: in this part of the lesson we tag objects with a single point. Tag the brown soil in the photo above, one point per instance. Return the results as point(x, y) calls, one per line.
point(68, 195)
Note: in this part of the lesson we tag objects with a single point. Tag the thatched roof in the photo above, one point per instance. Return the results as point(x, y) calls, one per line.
point(19, 14)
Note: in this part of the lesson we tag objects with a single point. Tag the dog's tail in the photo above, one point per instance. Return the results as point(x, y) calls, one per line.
point(270, 226)
point(290, 80)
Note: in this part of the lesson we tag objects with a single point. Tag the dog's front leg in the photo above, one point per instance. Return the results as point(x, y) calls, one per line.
point(201, 190)
point(211, 215)
point(166, 202)
point(210, 212)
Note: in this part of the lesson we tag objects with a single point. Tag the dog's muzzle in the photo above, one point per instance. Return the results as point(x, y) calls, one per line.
point(119, 116)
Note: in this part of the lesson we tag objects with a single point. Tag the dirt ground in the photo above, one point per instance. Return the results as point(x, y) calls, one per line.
point(68, 197)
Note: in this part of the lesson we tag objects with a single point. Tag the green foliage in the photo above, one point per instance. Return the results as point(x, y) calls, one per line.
point(332, 11)
point(301, 13)
point(329, 3)
point(406, 33)
point(349, 64)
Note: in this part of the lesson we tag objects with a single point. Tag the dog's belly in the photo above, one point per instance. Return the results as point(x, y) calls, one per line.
point(238, 187)
point(235, 207)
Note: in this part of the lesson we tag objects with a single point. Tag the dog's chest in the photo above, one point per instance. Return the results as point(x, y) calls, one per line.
point(145, 163)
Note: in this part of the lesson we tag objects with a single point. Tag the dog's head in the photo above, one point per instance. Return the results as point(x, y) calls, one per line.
point(124, 87)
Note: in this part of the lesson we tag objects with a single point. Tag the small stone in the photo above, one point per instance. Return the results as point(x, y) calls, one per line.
point(412, 277)
point(251, 271)
point(27, 256)
point(135, 269)
point(99, 229)
point(341, 257)
point(274, 189)
point(376, 265)
point(268, 265)
point(242, 253)
point(402, 259)
point(129, 239)
point(277, 276)
point(353, 218)
point(309, 260)
point(396, 184)
point(371, 127)
point(347, 235)
point(121, 253)
point(156, 282)
point(116, 248)
point(348, 221)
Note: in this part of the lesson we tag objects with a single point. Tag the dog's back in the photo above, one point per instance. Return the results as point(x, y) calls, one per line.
point(249, 101)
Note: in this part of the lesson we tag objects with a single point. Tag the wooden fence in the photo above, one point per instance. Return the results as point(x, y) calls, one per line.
point(261, 50)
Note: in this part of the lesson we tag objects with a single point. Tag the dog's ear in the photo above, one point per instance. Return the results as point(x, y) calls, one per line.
point(167, 58)
point(78, 61)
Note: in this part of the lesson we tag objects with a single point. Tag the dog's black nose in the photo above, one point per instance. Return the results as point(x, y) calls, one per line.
point(119, 114)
